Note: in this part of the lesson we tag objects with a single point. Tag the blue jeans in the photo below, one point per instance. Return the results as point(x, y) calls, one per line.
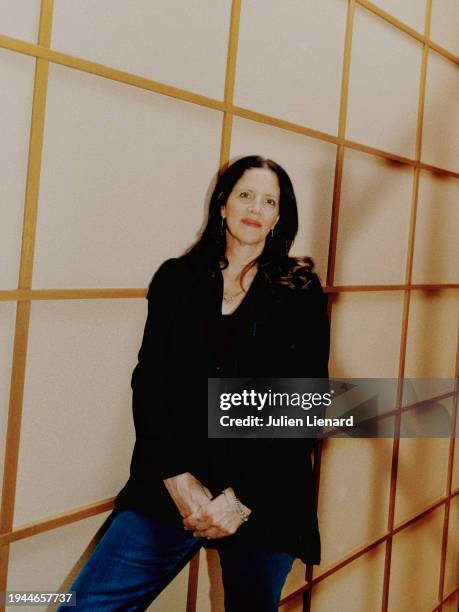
point(138, 556)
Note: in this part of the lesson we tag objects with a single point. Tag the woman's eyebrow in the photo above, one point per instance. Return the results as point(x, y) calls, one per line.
point(271, 195)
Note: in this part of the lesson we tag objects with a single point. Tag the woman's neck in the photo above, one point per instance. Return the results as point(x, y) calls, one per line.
point(239, 256)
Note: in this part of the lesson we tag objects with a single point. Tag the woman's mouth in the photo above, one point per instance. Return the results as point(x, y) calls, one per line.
point(251, 223)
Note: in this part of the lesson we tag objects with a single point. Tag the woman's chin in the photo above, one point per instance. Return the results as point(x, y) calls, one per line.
point(249, 237)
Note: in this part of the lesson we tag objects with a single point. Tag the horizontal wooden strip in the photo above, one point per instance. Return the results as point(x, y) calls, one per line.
point(347, 288)
point(71, 516)
point(363, 549)
point(392, 20)
point(297, 128)
point(113, 74)
point(251, 115)
point(406, 28)
point(392, 157)
point(12, 295)
point(392, 413)
point(442, 51)
point(70, 294)
point(186, 96)
point(59, 520)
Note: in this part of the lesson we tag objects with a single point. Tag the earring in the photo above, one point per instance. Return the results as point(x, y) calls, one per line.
point(272, 232)
point(221, 228)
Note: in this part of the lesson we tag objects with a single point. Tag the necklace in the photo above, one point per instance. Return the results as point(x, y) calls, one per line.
point(227, 297)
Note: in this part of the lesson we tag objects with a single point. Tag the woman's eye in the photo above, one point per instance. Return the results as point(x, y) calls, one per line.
point(272, 202)
point(244, 194)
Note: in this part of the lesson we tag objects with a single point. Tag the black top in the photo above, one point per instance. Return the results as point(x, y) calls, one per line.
point(274, 332)
point(227, 333)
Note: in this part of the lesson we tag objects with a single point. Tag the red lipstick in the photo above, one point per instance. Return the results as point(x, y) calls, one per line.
point(251, 222)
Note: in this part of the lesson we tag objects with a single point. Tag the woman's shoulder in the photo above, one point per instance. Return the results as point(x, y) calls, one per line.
point(175, 272)
point(166, 275)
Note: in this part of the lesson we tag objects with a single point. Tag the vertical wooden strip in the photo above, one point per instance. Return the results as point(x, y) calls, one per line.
point(449, 483)
point(341, 135)
point(193, 583)
point(24, 282)
point(444, 545)
point(406, 310)
point(230, 78)
point(335, 218)
point(346, 69)
point(307, 595)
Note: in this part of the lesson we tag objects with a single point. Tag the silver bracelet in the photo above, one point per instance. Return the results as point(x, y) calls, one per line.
point(242, 513)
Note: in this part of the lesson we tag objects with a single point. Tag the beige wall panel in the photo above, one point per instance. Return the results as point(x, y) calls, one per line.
point(383, 86)
point(173, 598)
point(42, 562)
point(178, 43)
point(373, 221)
point(415, 565)
point(444, 27)
point(290, 60)
point(411, 12)
point(311, 165)
point(77, 430)
point(365, 334)
point(120, 192)
point(452, 550)
point(421, 476)
point(436, 247)
point(353, 494)
point(432, 334)
point(355, 588)
point(20, 19)
point(7, 321)
point(440, 141)
point(16, 82)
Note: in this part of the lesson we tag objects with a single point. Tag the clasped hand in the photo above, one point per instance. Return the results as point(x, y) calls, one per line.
point(207, 517)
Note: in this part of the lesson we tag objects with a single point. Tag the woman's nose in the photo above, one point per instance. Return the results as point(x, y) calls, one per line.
point(255, 205)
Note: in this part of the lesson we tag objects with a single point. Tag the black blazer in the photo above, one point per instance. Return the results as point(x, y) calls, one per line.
point(283, 333)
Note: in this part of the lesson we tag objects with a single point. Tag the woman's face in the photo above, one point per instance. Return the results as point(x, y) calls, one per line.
point(252, 208)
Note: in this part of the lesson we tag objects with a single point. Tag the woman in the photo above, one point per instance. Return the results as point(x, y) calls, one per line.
point(234, 305)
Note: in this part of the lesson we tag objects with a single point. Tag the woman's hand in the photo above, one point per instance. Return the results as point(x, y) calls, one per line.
point(217, 519)
point(187, 492)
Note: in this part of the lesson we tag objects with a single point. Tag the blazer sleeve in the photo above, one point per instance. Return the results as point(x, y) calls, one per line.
point(161, 450)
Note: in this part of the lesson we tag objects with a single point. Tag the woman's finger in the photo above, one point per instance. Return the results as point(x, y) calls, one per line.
point(209, 534)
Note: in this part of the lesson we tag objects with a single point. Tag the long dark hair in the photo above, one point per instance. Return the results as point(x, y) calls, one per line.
point(274, 261)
